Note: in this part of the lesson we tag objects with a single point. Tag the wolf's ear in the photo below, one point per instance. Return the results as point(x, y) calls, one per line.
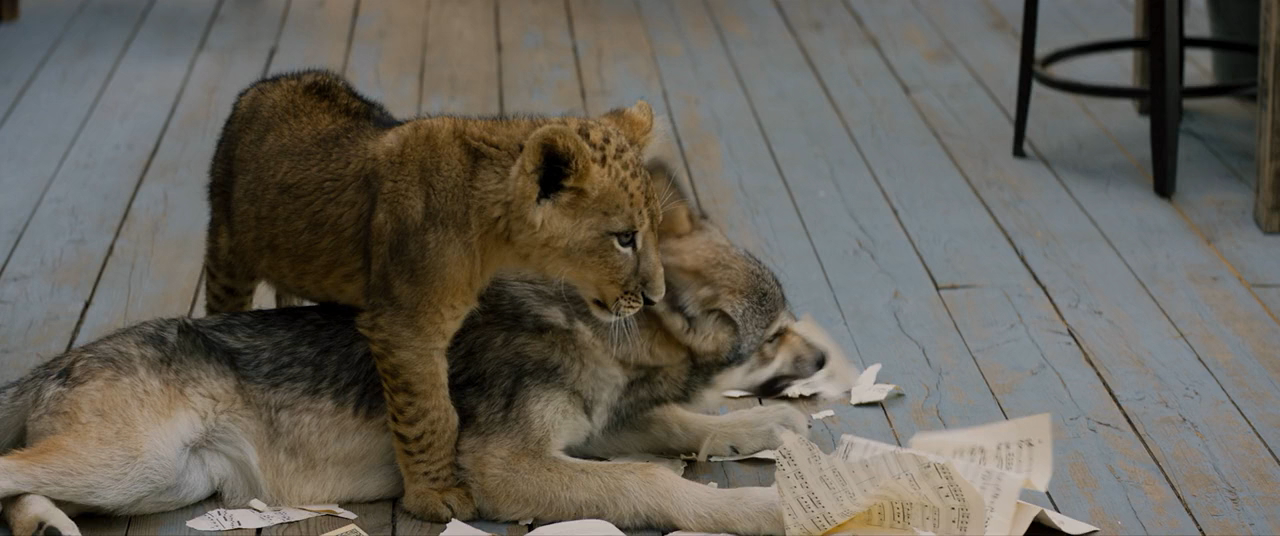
point(556, 158)
point(636, 122)
point(679, 218)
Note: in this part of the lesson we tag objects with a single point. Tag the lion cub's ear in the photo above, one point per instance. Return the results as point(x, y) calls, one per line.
point(678, 216)
point(558, 158)
point(636, 122)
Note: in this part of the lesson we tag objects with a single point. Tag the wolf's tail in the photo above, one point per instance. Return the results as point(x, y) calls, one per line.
point(15, 407)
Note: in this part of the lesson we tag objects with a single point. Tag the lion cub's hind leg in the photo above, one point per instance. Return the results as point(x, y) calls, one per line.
point(36, 515)
point(228, 283)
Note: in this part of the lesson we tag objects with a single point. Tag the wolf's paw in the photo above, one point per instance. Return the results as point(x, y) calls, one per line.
point(439, 506)
point(752, 430)
point(36, 515)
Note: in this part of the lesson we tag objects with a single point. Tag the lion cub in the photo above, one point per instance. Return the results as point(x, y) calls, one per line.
point(321, 193)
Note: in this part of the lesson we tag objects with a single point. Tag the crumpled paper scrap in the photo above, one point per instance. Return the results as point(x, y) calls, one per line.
point(262, 516)
point(865, 390)
point(458, 528)
point(823, 414)
point(581, 527)
point(349, 530)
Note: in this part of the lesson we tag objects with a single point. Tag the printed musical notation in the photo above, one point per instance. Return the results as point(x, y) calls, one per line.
point(963, 481)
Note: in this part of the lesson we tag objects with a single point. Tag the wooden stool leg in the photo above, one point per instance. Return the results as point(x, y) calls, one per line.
point(1266, 210)
point(8, 10)
point(1141, 71)
point(1165, 56)
point(1030, 9)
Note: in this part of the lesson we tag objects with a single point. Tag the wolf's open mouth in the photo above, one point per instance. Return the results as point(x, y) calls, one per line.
point(775, 386)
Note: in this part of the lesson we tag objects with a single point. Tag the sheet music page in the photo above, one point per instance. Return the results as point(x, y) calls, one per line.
point(999, 489)
point(1023, 446)
point(890, 491)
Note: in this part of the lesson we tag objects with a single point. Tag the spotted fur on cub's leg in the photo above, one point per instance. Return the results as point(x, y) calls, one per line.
point(227, 288)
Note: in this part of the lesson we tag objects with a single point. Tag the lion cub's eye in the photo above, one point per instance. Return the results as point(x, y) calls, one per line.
point(774, 338)
point(626, 240)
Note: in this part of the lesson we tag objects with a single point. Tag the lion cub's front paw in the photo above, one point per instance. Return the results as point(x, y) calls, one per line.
point(752, 430)
point(439, 506)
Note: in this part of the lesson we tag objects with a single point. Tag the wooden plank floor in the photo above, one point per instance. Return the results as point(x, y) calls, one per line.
point(860, 147)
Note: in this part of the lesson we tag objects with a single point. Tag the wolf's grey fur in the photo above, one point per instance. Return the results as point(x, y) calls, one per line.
point(285, 405)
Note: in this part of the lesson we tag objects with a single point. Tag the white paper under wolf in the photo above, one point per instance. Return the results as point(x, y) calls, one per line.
point(263, 516)
point(964, 481)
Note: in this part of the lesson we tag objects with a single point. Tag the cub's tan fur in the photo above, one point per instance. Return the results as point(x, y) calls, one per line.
point(327, 197)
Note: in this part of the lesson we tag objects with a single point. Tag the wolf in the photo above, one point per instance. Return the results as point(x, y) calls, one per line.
point(285, 405)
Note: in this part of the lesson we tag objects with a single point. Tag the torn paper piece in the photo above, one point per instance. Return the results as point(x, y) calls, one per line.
point(330, 510)
point(674, 465)
point(326, 509)
point(1023, 446)
point(581, 527)
point(261, 516)
point(892, 492)
point(823, 414)
point(713, 484)
point(349, 530)
point(1026, 512)
point(834, 379)
point(458, 528)
point(762, 455)
point(865, 390)
point(526, 521)
point(736, 393)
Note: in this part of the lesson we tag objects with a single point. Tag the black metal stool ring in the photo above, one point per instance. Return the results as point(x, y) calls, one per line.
point(1040, 70)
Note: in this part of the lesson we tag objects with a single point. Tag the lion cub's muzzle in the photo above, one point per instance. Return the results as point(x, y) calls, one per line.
point(626, 304)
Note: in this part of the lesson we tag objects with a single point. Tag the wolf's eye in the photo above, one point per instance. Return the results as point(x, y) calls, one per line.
point(626, 240)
